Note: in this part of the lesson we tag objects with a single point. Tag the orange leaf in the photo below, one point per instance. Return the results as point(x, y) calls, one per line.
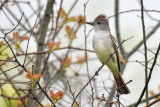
point(72, 19)
point(76, 104)
point(123, 61)
point(18, 103)
point(37, 77)
point(159, 87)
point(152, 93)
point(23, 38)
point(1, 43)
point(81, 59)
point(80, 19)
point(59, 94)
point(63, 14)
point(50, 45)
point(52, 94)
point(56, 96)
point(72, 36)
point(53, 45)
point(17, 45)
point(66, 62)
point(70, 32)
point(29, 75)
point(32, 76)
point(16, 36)
point(57, 44)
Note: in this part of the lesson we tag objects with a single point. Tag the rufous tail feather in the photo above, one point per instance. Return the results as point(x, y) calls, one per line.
point(121, 86)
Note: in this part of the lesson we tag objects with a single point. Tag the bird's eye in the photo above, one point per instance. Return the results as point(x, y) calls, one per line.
point(99, 23)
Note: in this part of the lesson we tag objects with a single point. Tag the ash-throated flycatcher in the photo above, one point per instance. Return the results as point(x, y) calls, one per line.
point(104, 45)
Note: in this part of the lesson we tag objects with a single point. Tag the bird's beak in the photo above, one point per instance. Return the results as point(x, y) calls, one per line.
point(90, 23)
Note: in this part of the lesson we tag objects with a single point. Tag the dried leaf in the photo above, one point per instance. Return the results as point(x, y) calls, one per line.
point(159, 87)
point(66, 62)
point(70, 32)
point(23, 38)
point(17, 45)
point(81, 59)
point(37, 77)
point(72, 19)
point(76, 104)
point(123, 61)
point(32, 76)
point(53, 45)
point(151, 92)
point(56, 96)
point(80, 19)
point(1, 43)
point(16, 36)
point(63, 14)
point(29, 75)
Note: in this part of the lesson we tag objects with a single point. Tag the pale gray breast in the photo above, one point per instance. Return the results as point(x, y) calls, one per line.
point(102, 45)
point(102, 38)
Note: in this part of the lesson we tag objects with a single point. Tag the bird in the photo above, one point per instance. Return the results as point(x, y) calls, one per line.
point(105, 48)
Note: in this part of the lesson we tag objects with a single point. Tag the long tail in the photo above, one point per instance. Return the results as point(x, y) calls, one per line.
point(121, 86)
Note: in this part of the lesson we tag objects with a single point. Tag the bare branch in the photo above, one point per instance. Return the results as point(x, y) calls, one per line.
point(150, 73)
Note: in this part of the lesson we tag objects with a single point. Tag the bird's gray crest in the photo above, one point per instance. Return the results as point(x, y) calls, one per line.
point(101, 17)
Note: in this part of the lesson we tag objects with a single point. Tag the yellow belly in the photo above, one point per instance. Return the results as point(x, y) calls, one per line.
point(104, 55)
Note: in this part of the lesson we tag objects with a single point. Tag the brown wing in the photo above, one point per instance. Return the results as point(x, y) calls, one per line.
point(116, 50)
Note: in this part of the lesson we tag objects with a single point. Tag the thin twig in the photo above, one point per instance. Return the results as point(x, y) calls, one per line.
point(155, 101)
point(145, 49)
point(85, 42)
point(144, 100)
point(150, 73)
point(34, 97)
point(70, 89)
point(142, 41)
point(73, 5)
point(8, 17)
point(31, 35)
point(44, 92)
point(9, 69)
point(55, 31)
point(117, 24)
point(15, 26)
point(14, 17)
point(111, 94)
point(3, 3)
point(134, 10)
